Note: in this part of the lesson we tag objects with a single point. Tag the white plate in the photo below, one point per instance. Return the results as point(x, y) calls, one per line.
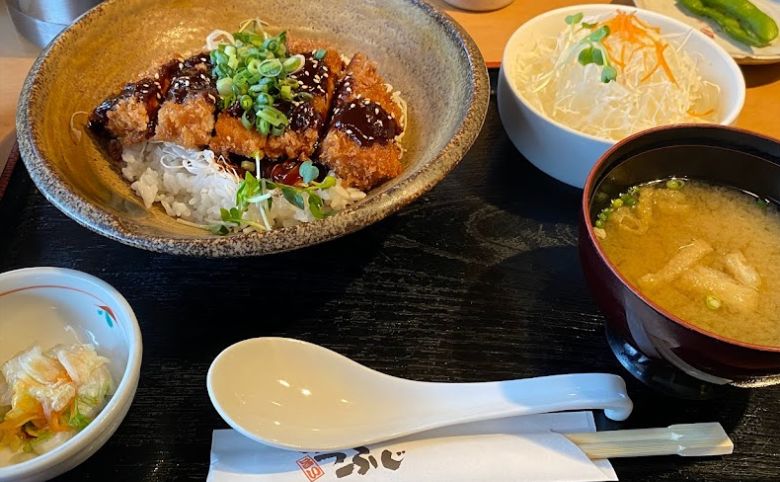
point(743, 54)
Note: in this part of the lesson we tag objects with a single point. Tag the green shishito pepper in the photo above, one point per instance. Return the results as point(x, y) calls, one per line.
point(740, 19)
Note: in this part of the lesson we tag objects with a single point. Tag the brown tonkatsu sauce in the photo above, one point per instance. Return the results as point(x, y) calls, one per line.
point(174, 80)
point(195, 83)
point(192, 77)
point(366, 122)
point(146, 91)
point(312, 76)
point(300, 115)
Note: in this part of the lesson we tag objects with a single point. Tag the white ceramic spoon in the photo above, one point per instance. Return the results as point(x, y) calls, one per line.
point(296, 395)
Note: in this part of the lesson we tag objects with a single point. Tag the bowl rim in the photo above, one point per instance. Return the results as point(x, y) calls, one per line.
point(586, 219)
point(727, 119)
point(351, 219)
point(123, 394)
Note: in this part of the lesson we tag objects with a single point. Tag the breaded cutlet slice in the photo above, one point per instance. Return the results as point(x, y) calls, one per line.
point(360, 144)
point(131, 115)
point(317, 77)
point(187, 115)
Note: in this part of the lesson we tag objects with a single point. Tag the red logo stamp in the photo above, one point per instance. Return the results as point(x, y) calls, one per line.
point(310, 468)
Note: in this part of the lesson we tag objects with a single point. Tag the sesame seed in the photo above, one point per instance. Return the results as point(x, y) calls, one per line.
point(376, 110)
point(181, 65)
point(349, 131)
point(156, 75)
point(352, 105)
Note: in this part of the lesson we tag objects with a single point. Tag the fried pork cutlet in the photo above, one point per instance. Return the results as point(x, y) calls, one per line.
point(187, 115)
point(360, 144)
point(317, 77)
point(131, 115)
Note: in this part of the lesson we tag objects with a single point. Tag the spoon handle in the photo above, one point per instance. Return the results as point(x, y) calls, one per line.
point(556, 393)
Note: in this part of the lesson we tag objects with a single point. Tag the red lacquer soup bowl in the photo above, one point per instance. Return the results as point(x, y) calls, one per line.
point(657, 347)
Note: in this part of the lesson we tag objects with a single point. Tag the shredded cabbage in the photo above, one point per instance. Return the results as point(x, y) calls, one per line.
point(657, 82)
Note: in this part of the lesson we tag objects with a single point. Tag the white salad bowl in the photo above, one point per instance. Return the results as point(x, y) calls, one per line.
point(567, 154)
point(47, 306)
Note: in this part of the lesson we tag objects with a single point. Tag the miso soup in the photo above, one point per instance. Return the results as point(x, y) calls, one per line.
point(708, 254)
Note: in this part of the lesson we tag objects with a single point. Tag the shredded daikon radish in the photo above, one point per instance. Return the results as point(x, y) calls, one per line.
point(657, 81)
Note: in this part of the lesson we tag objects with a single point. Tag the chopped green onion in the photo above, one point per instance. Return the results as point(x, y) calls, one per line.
point(712, 302)
point(252, 73)
point(263, 126)
point(319, 54)
point(245, 120)
point(272, 115)
point(293, 63)
point(246, 102)
point(248, 166)
point(285, 92)
point(270, 68)
point(616, 203)
point(225, 86)
point(675, 183)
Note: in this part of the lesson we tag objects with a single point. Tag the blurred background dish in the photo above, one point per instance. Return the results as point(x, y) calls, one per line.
point(743, 54)
point(479, 5)
point(39, 21)
point(663, 350)
point(49, 306)
point(568, 154)
point(426, 52)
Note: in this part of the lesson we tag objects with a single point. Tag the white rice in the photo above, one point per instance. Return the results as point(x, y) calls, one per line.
point(191, 185)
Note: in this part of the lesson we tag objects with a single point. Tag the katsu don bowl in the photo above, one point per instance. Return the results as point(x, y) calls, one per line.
point(82, 158)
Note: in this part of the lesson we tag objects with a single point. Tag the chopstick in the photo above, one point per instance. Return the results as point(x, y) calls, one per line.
point(687, 440)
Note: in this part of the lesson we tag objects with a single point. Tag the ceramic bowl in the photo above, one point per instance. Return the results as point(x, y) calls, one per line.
point(659, 348)
point(564, 153)
point(421, 51)
point(47, 306)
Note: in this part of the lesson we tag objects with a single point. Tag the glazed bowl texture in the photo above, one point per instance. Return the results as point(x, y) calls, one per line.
point(422, 52)
point(646, 338)
point(50, 306)
point(567, 154)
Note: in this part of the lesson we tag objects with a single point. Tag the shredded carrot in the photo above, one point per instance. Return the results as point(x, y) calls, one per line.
point(631, 30)
point(659, 52)
point(700, 114)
